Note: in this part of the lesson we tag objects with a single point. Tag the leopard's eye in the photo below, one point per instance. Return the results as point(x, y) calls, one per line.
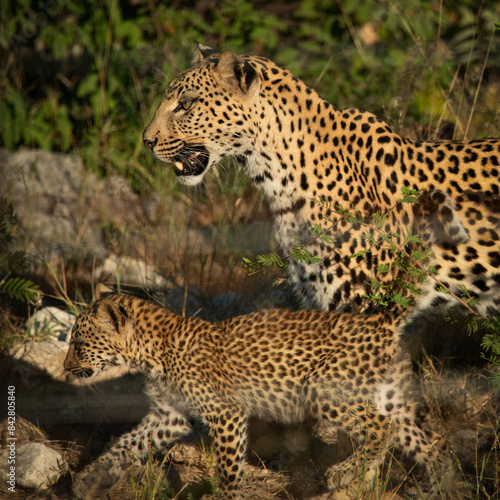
point(184, 105)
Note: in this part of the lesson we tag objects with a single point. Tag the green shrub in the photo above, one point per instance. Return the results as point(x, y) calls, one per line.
point(13, 263)
point(83, 76)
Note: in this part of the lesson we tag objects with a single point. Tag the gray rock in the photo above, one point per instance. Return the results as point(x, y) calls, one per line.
point(40, 358)
point(36, 466)
point(51, 323)
point(129, 270)
point(62, 208)
point(46, 192)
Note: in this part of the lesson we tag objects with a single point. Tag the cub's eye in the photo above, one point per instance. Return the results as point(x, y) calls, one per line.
point(184, 105)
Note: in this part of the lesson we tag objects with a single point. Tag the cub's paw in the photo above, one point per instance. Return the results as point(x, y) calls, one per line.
point(98, 478)
point(341, 475)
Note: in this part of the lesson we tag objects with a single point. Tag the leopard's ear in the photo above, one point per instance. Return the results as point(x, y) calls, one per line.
point(101, 290)
point(111, 314)
point(238, 72)
point(203, 51)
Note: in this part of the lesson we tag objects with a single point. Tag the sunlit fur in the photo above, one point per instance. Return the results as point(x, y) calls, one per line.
point(298, 149)
point(337, 370)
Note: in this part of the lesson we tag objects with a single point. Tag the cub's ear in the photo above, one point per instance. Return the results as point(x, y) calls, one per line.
point(111, 314)
point(101, 290)
point(237, 71)
point(203, 51)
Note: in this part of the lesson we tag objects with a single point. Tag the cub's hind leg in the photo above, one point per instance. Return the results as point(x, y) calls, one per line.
point(416, 440)
point(398, 398)
point(370, 433)
point(348, 409)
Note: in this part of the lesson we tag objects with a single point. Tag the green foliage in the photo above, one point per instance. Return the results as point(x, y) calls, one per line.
point(397, 61)
point(410, 260)
point(151, 483)
point(83, 76)
point(410, 195)
point(13, 262)
point(299, 252)
point(264, 260)
point(19, 289)
point(322, 234)
point(490, 342)
point(100, 67)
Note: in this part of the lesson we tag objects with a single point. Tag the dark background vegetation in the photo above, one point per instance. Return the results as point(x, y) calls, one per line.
point(83, 77)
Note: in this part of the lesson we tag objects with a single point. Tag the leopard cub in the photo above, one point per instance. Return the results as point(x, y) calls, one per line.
point(345, 371)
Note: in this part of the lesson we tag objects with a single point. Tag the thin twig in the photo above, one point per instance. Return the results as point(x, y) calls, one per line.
point(375, 228)
point(420, 266)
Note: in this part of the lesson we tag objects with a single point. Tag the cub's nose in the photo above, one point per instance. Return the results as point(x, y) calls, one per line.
point(150, 144)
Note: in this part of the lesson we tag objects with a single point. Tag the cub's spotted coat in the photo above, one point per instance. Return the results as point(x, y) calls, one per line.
point(297, 147)
point(345, 371)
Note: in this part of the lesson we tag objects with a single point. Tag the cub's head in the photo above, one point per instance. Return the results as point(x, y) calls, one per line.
point(206, 114)
point(99, 337)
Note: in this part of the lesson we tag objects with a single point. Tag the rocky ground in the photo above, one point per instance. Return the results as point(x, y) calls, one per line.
point(78, 230)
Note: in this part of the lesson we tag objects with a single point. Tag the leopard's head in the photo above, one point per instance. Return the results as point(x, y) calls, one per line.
point(205, 114)
point(99, 338)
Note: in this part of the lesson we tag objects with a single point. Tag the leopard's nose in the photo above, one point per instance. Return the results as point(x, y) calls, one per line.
point(151, 144)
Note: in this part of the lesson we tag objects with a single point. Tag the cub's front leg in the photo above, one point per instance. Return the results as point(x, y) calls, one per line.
point(228, 429)
point(162, 427)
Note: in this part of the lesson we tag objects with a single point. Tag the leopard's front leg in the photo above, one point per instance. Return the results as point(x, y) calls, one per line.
point(162, 427)
point(228, 429)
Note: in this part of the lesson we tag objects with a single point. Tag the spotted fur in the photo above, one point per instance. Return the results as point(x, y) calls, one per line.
point(297, 147)
point(344, 371)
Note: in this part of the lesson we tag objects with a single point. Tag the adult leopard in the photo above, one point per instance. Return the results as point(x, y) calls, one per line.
point(298, 148)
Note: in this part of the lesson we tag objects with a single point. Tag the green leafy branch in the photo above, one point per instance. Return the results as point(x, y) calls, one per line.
point(413, 265)
point(13, 261)
point(299, 252)
point(20, 289)
point(490, 342)
point(264, 260)
point(410, 263)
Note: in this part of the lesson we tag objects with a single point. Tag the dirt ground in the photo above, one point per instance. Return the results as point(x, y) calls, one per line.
point(289, 461)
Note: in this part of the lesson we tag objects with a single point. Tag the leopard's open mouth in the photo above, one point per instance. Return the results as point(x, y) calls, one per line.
point(81, 372)
point(192, 160)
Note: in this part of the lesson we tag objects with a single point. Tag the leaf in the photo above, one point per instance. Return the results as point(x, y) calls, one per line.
point(303, 255)
point(379, 220)
point(322, 202)
point(321, 233)
point(267, 259)
point(362, 253)
point(410, 195)
point(412, 238)
point(20, 289)
point(89, 85)
point(59, 45)
point(6, 125)
point(17, 261)
point(383, 268)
